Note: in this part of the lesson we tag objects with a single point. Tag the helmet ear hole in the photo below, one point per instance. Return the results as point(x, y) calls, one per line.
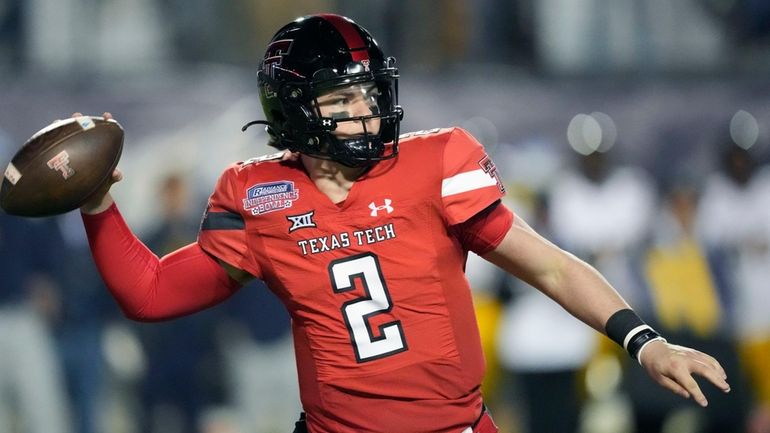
point(291, 93)
point(275, 129)
point(278, 117)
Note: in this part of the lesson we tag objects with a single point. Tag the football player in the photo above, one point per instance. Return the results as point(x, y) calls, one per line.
point(363, 234)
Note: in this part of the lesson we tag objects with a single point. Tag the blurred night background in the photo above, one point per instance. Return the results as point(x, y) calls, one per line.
point(633, 133)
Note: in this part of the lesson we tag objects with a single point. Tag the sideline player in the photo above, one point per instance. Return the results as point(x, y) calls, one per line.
point(363, 235)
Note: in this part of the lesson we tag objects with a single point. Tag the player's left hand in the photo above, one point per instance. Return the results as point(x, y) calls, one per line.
point(672, 367)
point(101, 199)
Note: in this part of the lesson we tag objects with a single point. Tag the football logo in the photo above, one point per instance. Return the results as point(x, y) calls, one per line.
point(61, 162)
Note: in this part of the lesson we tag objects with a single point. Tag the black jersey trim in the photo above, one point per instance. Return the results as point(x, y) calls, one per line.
point(222, 221)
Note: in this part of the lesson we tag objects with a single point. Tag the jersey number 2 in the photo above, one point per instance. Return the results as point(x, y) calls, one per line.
point(357, 312)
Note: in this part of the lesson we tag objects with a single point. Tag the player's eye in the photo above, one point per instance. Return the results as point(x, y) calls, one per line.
point(336, 100)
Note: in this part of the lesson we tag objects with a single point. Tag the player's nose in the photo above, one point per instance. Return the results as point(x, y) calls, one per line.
point(360, 107)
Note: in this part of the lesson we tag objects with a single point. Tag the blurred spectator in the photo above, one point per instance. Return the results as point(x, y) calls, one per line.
point(183, 367)
point(179, 219)
point(506, 25)
point(734, 222)
point(689, 309)
point(747, 20)
point(684, 295)
point(543, 348)
point(485, 280)
point(10, 34)
point(84, 307)
point(603, 212)
point(32, 394)
point(597, 36)
point(258, 352)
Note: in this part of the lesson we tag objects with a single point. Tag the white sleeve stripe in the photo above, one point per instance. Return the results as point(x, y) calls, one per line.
point(468, 181)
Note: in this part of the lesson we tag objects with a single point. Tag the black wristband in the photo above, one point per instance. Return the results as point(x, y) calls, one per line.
point(629, 331)
point(620, 324)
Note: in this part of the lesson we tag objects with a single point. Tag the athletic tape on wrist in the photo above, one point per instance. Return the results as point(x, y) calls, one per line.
point(639, 352)
point(632, 333)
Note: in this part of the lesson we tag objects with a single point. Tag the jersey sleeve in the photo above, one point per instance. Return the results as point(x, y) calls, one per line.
point(470, 181)
point(223, 229)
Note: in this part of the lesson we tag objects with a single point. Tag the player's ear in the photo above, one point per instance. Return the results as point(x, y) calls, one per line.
point(290, 156)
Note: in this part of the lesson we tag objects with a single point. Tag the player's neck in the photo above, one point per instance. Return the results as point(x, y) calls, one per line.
point(331, 178)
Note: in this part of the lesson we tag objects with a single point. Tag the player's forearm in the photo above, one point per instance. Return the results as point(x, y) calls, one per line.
point(580, 289)
point(148, 288)
point(574, 284)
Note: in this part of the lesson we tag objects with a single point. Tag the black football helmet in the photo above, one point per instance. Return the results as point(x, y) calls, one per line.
point(315, 55)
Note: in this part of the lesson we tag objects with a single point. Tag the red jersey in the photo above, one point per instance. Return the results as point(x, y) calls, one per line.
point(383, 323)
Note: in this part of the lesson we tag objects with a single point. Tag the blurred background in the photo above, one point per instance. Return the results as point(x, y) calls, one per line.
point(631, 132)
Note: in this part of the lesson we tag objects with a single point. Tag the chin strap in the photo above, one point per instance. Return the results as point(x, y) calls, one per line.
point(256, 122)
point(276, 139)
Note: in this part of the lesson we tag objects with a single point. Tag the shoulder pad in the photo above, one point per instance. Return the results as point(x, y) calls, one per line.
point(420, 133)
point(271, 157)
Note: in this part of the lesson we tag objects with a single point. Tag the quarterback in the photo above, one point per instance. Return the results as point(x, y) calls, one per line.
point(363, 233)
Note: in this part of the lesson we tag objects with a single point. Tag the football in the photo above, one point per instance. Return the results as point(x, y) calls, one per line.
point(61, 166)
